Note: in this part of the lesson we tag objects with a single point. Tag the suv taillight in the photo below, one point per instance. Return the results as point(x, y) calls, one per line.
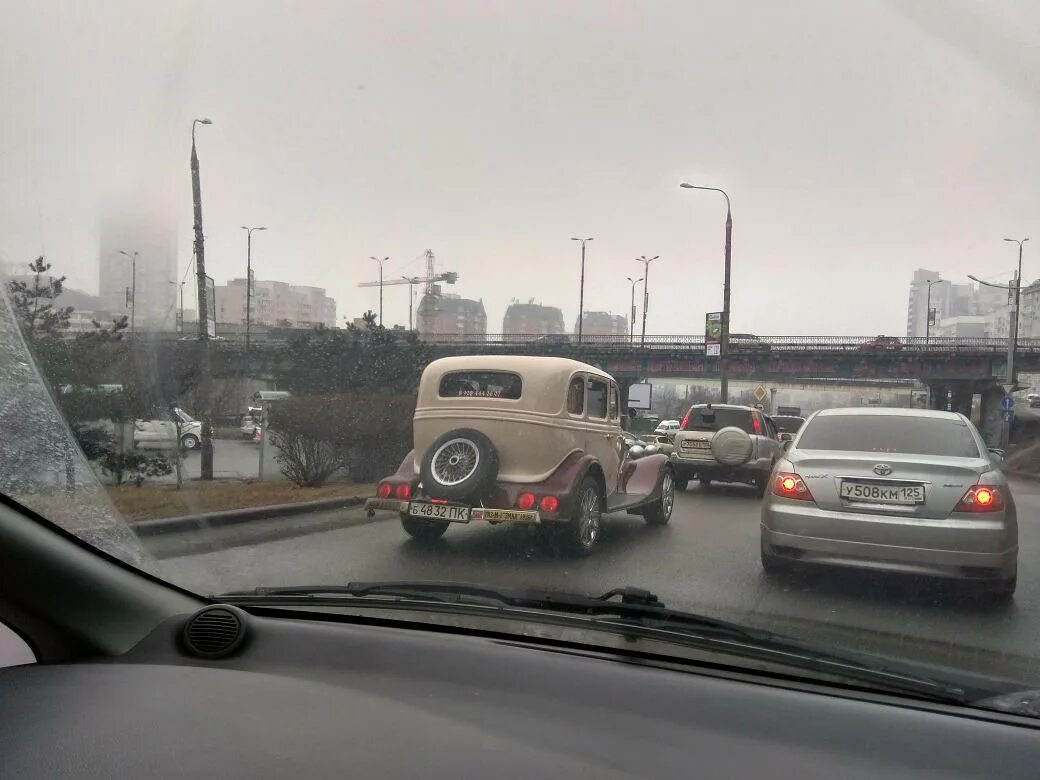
point(756, 424)
point(790, 485)
point(981, 498)
point(685, 419)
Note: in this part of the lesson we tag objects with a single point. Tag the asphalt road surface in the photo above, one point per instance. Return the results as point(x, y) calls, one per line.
point(706, 560)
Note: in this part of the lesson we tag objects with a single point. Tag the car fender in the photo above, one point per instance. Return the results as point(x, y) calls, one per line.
point(406, 472)
point(644, 476)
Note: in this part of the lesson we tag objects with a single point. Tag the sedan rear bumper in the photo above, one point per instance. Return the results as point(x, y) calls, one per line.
point(966, 547)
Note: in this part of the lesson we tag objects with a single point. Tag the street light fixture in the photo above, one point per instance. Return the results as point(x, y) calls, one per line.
point(581, 289)
point(249, 279)
point(632, 321)
point(724, 348)
point(133, 290)
point(380, 260)
point(646, 295)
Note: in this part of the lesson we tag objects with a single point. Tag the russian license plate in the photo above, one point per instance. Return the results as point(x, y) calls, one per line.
point(455, 514)
point(696, 444)
point(883, 494)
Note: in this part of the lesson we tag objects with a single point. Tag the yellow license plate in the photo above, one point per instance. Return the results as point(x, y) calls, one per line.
point(505, 515)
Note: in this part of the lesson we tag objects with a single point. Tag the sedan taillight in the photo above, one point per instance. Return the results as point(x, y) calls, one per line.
point(981, 498)
point(790, 485)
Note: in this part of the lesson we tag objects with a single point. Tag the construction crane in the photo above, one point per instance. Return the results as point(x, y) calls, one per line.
point(429, 280)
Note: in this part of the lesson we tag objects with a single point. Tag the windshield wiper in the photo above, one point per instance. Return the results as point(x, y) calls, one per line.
point(635, 609)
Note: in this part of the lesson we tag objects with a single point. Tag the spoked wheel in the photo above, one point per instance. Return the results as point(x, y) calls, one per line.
point(580, 534)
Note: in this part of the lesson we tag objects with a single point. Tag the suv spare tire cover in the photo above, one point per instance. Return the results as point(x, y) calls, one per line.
point(459, 464)
point(732, 446)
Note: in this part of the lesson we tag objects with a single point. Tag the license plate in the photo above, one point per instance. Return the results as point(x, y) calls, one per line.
point(455, 514)
point(883, 494)
point(505, 515)
point(696, 444)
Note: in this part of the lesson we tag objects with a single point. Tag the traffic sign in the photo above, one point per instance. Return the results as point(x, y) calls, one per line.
point(1007, 415)
point(712, 350)
point(760, 393)
point(1008, 389)
point(1007, 403)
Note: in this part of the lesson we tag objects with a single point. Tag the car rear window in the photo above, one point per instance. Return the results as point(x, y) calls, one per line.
point(481, 384)
point(704, 419)
point(890, 434)
point(788, 424)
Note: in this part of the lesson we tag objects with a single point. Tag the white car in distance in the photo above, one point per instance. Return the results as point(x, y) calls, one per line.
point(159, 433)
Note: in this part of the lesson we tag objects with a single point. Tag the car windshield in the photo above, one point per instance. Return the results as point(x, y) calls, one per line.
point(900, 434)
point(300, 294)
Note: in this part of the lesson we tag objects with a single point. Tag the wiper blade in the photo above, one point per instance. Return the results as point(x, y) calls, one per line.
point(636, 608)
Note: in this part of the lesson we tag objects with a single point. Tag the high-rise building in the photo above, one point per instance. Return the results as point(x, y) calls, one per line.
point(947, 300)
point(451, 314)
point(153, 236)
point(275, 304)
point(601, 323)
point(532, 319)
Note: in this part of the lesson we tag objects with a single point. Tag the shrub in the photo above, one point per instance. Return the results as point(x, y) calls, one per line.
point(306, 460)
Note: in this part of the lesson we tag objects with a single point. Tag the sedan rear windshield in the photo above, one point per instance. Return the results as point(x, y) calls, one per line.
point(480, 384)
point(890, 434)
point(704, 419)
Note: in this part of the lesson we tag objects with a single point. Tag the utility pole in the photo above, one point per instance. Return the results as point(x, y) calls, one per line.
point(632, 321)
point(581, 288)
point(380, 260)
point(412, 281)
point(249, 279)
point(133, 290)
point(724, 346)
point(646, 294)
point(205, 379)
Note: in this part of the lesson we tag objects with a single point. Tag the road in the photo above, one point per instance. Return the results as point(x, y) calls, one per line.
point(705, 560)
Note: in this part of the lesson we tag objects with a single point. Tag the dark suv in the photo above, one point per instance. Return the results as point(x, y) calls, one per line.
point(725, 443)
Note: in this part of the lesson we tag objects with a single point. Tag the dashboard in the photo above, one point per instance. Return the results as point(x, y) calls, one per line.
point(302, 697)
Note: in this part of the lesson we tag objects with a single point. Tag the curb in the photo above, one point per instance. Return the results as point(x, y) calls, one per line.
point(199, 522)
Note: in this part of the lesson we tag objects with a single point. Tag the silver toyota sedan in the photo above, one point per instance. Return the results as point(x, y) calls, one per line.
point(903, 490)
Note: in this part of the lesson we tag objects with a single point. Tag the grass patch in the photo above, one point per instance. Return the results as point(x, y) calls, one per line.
point(152, 501)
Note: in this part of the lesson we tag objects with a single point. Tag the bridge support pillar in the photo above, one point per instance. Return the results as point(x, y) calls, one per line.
point(991, 425)
point(961, 401)
point(937, 392)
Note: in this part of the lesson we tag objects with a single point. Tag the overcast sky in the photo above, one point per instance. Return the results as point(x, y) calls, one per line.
point(858, 140)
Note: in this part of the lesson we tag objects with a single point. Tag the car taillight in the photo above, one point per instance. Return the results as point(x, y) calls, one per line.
point(438, 500)
point(790, 485)
point(756, 424)
point(685, 419)
point(981, 498)
point(384, 490)
point(549, 504)
point(525, 501)
point(404, 490)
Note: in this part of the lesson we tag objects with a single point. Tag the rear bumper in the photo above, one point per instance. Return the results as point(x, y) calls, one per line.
point(710, 469)
point(959, 547)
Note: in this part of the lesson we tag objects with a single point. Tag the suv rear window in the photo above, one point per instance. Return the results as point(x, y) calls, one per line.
point(480, 384)
point(890, 434)
point(788, 424)
point(704, 419)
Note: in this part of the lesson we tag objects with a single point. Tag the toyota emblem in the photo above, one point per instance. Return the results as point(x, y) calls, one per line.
point(882, 469)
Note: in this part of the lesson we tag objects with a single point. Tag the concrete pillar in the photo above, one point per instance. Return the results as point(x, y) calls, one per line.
point(990, 422)
point(962, 398)
point(936, 395)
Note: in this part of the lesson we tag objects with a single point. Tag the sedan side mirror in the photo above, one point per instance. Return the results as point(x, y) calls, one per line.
point(785, 445)
point(999, 453)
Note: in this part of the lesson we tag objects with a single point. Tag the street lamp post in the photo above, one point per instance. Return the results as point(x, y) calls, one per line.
point(581, 288)
point(724, 348)
point(646, 294)
point(412, 281)
point(380, 260)
point(632, 326)
point(133, 290)
point(206, 454)
point(1016, 289)
point(249, 279)
point(928, 311)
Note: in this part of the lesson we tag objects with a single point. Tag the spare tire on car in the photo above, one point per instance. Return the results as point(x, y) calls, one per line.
point(732, 446)
point(459, 464)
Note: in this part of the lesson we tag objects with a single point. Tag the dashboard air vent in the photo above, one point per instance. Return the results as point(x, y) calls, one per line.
point(215, 631)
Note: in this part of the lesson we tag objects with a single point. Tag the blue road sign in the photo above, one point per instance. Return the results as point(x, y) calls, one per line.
point(1008, 415)
point(1007, 402)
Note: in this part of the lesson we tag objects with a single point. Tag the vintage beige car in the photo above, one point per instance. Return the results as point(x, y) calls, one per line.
point(523, 440)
